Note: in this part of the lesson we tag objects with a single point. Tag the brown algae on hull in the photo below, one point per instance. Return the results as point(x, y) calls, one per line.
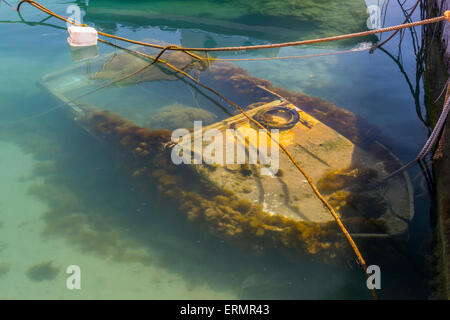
point(336, 147)
point(218, 210)
point(177, 115)
point(221, 210)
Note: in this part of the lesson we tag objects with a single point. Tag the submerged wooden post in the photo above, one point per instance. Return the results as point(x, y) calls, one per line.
point(437, 70)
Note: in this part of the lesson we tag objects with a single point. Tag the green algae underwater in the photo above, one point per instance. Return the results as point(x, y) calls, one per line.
point(68, 199)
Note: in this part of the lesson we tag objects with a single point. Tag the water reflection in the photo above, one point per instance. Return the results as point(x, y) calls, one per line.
point(201, 20)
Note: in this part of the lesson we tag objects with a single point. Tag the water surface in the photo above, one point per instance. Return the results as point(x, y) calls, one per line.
point(65, 199)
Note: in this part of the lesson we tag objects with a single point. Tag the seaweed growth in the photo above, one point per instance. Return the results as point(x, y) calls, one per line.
point(348, 193)
point(42, 271)
point(239, 86)
point(218, 210)
point(176, 116)
point(121, 65)
point(114, 128)
point(349, 177)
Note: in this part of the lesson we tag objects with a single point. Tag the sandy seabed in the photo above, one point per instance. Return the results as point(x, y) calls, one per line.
point(33, 267)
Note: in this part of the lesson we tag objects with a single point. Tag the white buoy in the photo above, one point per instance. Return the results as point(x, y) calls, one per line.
point(82, 36)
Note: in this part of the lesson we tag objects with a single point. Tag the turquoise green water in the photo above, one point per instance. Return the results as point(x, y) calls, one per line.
point(65, 200)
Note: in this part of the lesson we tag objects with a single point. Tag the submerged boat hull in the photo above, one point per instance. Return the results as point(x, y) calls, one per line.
point(236, 202)
point(344, 172)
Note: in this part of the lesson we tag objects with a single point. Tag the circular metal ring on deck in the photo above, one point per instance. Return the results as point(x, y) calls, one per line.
point(270, 118)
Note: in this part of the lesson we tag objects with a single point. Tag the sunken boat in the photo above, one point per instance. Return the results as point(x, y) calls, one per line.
point(151, 116)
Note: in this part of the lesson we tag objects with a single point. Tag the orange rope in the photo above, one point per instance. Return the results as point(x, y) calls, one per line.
point(328, 39)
